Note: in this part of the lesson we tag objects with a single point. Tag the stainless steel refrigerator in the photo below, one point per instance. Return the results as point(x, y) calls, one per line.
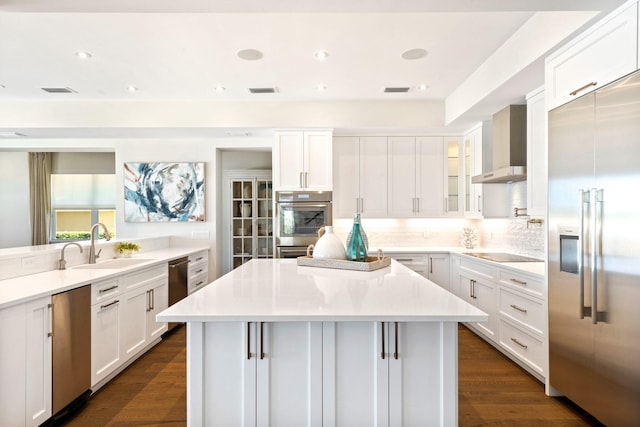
point(594, 251)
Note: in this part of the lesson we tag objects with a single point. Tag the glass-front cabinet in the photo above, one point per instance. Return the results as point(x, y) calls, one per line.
point(454, 203)
point(251, 218)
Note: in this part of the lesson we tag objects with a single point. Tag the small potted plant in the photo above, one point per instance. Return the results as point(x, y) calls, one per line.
point(125, 249)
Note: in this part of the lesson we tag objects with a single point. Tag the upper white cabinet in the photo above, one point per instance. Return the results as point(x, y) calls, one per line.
point(360, 174)
point(473, 166)
point(416, 176)
point(454, 185)
point(302, 160)
point(600, 55)
point(536, 154)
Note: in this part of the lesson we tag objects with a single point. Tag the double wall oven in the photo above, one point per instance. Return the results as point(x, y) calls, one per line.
point(299, 216)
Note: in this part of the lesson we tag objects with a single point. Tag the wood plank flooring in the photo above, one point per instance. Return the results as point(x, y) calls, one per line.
point(493, 391)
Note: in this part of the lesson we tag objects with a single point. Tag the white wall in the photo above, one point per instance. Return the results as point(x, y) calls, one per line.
point(15, 227)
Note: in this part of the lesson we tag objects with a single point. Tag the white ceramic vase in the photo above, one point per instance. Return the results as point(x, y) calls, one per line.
point(329, 245)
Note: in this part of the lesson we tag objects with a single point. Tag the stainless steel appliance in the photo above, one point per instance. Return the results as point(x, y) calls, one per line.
point(178, 277)
point(594, 251)
point(71, 350)
point(299, 216)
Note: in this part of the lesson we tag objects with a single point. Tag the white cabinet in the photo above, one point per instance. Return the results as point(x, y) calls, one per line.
point(265, 374)
point(454, 185)
point(248, 199)
point(106, 329)
point(302, 160)
point(515, 303)
point(146, 295)
point(38, 361)
point(477, 287)
point(198, 272)
point(25, 363)
point(360, 174)
point(600, 55)
point(473, 166)
point(536, 154)
point(433, 266)
point(416, 176)
point(377, 373)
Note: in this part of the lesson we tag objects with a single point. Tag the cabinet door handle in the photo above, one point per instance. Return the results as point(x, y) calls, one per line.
point(580, 89)
point(50, 308)
point(520, 309)
point(306, 179)
point(101, 291)
point(261, 341)
point(395, 353)
point(417, 204)
point(519, 282)
point(102, 307)
point(153, 299)
point(430, 265)
point(248, 340)
point(479, 203)
point(519, 343)
point(361, 205)
point(300, 180)
point(382, 329)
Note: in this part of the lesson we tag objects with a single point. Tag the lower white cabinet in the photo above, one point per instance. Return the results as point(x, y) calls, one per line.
point(123, 321)
point(198, 272)
point(106, 329)
point(380, 373)
point(514, 301)
point(267, 374)
point(25, 363)
point(138, 316)
point(434, 266)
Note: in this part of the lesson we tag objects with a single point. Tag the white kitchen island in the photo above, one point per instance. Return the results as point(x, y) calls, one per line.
point(275, 344)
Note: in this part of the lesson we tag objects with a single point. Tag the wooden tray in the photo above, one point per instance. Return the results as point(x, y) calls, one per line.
point(371, 264)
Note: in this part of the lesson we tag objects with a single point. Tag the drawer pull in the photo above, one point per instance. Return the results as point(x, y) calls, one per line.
point(199, 271)
point(101, 291)
point(521, 310)
point(519, 343)
point(199, 283)
point(519, 282)
point(580, 89)
point(102, 307)
point(404, 259)
point(199, 258)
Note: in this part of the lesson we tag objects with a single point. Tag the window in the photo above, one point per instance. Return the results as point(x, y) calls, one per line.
point(80, 200)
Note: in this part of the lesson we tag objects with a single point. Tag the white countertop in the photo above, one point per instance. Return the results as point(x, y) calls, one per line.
point(25, 288)
point(280, 290)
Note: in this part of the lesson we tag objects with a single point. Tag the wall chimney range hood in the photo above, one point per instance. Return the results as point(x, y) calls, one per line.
point(509, 147)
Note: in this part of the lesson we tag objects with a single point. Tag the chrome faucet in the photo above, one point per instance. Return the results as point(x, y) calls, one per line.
point(92, 250)
point(62, 263)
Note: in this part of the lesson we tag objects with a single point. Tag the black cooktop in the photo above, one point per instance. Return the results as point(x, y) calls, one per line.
point(502, 257)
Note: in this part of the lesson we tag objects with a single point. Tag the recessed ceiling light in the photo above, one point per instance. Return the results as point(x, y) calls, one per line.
point(321, 54)
point(83, 55)
point(412, 54)
point(250, 54)
point(220, 88)
point(423, 87)
point(132, 88)
point(321, 88)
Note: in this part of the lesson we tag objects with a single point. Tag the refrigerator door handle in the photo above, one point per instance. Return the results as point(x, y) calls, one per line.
point(585, 198)
point(595, 251)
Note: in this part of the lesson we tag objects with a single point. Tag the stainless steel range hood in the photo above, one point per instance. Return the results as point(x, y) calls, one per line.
point(509, 147)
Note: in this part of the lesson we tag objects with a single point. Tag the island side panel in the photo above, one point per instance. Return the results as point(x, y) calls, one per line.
point(449, 371)
point(195, 373)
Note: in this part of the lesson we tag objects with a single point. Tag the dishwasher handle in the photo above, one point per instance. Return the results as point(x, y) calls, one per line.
point(177, 264)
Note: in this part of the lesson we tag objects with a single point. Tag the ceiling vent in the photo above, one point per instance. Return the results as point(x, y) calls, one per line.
point(263, 89)
point(58, 90)
point(396, 89)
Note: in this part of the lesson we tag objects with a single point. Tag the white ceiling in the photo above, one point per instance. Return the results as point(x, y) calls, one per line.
point(181, 50)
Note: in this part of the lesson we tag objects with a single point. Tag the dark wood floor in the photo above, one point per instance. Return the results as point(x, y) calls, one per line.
point(493, 391)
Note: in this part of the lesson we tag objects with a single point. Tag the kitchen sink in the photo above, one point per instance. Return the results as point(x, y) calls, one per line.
point(113, 264)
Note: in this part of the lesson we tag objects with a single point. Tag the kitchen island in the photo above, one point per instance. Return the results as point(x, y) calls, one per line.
point(273, 343)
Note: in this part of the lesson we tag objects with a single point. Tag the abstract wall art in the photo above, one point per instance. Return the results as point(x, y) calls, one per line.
point(163, 192)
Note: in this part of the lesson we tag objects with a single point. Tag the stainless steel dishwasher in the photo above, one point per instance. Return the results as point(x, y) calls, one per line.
point(71, 350)
point(178, 277)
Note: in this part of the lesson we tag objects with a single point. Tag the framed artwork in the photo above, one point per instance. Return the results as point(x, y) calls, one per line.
point(164, 192)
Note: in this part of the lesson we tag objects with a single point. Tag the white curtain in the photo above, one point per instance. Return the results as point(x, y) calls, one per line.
point(40, 196)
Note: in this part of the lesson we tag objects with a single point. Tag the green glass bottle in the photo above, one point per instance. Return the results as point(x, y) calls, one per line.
point(356, 246)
